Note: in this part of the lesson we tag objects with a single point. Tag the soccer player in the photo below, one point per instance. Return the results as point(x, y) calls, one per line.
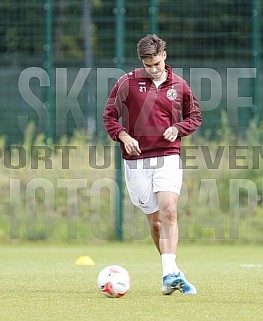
point(157, 108)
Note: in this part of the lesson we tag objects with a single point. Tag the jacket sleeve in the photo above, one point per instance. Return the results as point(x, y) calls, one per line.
point(113, 108)
point(191, 113)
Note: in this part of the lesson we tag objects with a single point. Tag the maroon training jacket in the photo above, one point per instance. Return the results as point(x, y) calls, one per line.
point(146, 112)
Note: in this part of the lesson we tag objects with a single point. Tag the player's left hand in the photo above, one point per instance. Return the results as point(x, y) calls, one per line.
point(170, 134)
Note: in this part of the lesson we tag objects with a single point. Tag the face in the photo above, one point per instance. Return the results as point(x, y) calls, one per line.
point(155, 66)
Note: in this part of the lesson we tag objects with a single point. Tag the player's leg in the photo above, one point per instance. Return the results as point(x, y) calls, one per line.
point(173, 278)
point(140, 188)
point(168, 223)
point(167, 183)
point(154, 221)
point(167, 204)
point(166, 245)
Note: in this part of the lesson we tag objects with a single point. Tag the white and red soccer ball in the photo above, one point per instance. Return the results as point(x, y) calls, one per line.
point(114, 281)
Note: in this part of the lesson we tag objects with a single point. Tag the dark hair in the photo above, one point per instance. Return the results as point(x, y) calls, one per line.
point(150, 46)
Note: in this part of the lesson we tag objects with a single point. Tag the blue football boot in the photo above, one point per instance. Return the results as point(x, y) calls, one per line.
point(173, 282)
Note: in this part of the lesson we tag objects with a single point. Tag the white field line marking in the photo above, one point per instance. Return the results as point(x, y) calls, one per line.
point(251, 265)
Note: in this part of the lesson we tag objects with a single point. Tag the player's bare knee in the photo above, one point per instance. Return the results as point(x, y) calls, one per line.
point(156, 226)
point(169, 213)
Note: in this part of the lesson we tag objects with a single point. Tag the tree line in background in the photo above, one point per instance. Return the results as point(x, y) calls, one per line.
point(204, 30)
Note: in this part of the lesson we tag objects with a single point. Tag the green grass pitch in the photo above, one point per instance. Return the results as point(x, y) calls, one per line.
point(40, 281)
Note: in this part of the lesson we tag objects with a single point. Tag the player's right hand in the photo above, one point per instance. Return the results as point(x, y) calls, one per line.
point(131, 145)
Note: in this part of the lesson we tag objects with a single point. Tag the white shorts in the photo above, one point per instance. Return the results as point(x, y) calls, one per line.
point(145, 177)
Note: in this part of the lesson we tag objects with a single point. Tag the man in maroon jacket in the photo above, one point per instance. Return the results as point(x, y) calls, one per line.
point(157, 108)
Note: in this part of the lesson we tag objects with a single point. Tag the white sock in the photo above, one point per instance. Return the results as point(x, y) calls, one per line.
point(168, 264)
